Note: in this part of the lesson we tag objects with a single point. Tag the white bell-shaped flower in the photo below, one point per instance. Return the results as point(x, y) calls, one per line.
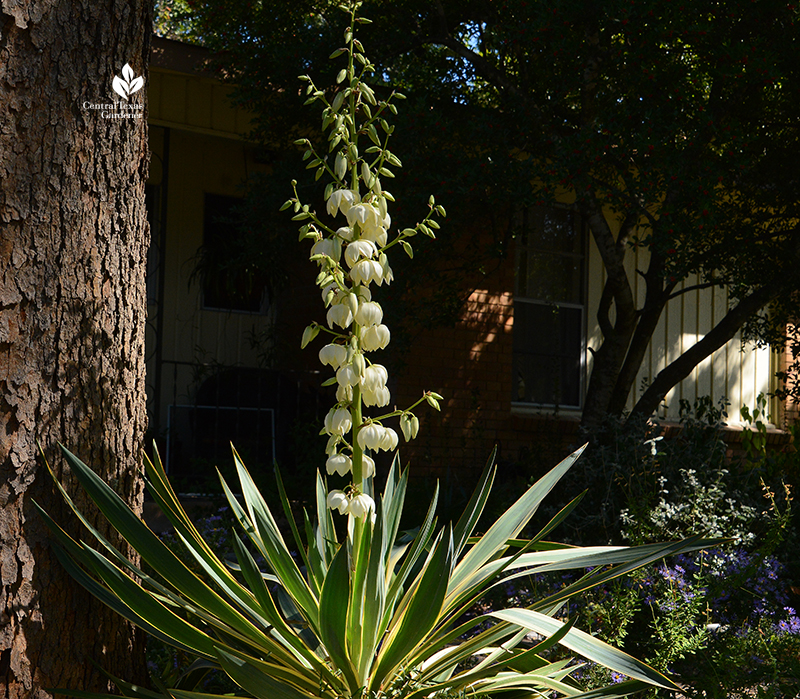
point(345, 233)
point(344, 393)
point(359, 249)
point(339, 314)
point(375, 337)
point(339, 463)
point(387, 274)
point(379, 396)
point(363, 215)
point(341, 200)
point(370, 436)
point(367, 271)
point(333, 355)
point(367, 466)
point(332, 247)
point(337, 421)
point(363, 293)
point(389, 440)
point(373, 437)
point(373, 386)
point(375, 375)
point(337, 500)
point(377, 235)
point(369, 313)
point(361, 506)
point(347, 375)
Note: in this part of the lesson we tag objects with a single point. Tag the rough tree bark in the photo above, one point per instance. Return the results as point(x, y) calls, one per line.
point(73, 241)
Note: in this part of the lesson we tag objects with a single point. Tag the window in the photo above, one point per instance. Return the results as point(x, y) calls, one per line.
point(549, 308)
point(230, 281)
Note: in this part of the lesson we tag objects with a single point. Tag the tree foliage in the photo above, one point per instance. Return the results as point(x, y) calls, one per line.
point(673, 122)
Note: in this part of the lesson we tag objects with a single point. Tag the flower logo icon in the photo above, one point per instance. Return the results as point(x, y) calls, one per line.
point(127, 84)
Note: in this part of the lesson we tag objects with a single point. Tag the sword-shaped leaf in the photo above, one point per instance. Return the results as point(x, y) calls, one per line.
point(153, 550)
point(587, 646)
point(418, 611)
point(264, 680)
point(333, 615)
point(277, 554)
point(472, 512)
point(510, 523)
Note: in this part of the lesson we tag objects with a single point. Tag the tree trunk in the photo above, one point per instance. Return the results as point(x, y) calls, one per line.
point(73, 242)
point(617, 296)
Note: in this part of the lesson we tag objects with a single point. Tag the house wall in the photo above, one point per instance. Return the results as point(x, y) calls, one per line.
point(197, 148)
point(737, 373)
point(470, 365)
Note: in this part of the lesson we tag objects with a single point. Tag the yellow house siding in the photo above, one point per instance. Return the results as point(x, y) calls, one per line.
point(198, 103)
point(194, 103)
point(198, 164)
point(732, 372)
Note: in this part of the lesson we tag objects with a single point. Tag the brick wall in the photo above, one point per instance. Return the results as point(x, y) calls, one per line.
point(469, 364)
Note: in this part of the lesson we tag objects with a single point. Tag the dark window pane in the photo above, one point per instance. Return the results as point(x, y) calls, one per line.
point(550, 256)
point(550, 277)
point(552, 230)
point(228, 284)
point(548, 347)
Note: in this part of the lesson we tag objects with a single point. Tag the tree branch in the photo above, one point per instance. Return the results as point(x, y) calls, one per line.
point(484, 67)
point(694, 287)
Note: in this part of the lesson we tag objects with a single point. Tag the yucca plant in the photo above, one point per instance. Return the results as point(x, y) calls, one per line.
point(375, 615)
point(371, 611)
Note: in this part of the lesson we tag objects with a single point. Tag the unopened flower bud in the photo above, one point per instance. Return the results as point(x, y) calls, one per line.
point(359, 365)
point(351, 301)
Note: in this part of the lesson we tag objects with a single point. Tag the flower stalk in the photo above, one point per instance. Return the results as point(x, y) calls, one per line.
point(350, 247)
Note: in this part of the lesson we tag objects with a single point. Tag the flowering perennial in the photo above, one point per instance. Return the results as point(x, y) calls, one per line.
point(351, 246)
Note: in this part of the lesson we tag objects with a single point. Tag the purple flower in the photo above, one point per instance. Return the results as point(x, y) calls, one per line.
point(791, 624)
